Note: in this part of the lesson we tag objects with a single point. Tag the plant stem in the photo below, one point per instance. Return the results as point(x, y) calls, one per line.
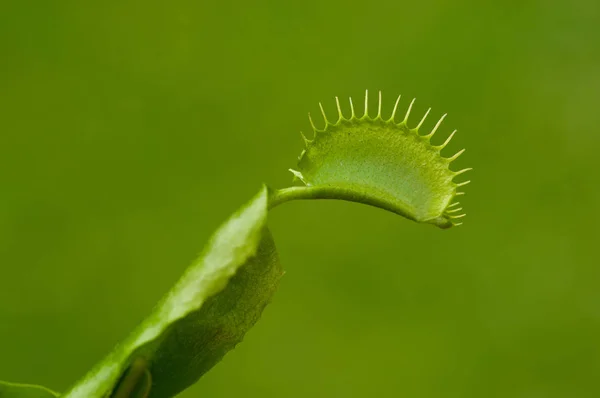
point(279, 196)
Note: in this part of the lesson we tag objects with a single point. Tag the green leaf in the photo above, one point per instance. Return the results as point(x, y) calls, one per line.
point(216, 301)
point(13, 390)
point(382, 163)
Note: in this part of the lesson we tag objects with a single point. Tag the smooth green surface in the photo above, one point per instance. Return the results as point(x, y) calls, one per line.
point(130, 130)
point(14, 390)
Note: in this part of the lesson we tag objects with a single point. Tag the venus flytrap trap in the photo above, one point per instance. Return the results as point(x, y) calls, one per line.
point(379, 162)
point(370, 160)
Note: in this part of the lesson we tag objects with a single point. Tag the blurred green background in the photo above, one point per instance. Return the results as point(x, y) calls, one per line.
point(129, 130)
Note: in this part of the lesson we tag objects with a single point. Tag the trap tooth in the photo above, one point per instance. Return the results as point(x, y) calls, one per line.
point(455, 156)
point(353, 116)
point(312, 123)
point(422, 120)
point(339, 109)
point(440, 147)
point(324, 115)
point(395, 109)
point(408, 111)
point(459, 172)
point(307, 142)
point(436, 126)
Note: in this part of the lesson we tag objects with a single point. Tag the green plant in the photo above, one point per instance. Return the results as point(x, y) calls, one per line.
point(364, 159)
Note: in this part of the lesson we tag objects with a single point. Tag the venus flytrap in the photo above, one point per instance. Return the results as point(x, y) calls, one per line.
point(379, 162)
point(370, 160)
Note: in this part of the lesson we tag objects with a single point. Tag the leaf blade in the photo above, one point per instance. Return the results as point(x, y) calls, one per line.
point(233, 246)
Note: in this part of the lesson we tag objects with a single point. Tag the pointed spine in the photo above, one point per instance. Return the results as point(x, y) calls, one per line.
point(436, 126)
point(298, 176)
point(423, 120)
point(440, 147)
point(408, 111)
point(459, 172)
point(379, 107)
point(312, 123)
point(307, 142)
point(353, 116)
point(366, 115)
point(456, 155)
point(301, 154)
point(391, 119)
point(339, 108)
point(324, 115)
